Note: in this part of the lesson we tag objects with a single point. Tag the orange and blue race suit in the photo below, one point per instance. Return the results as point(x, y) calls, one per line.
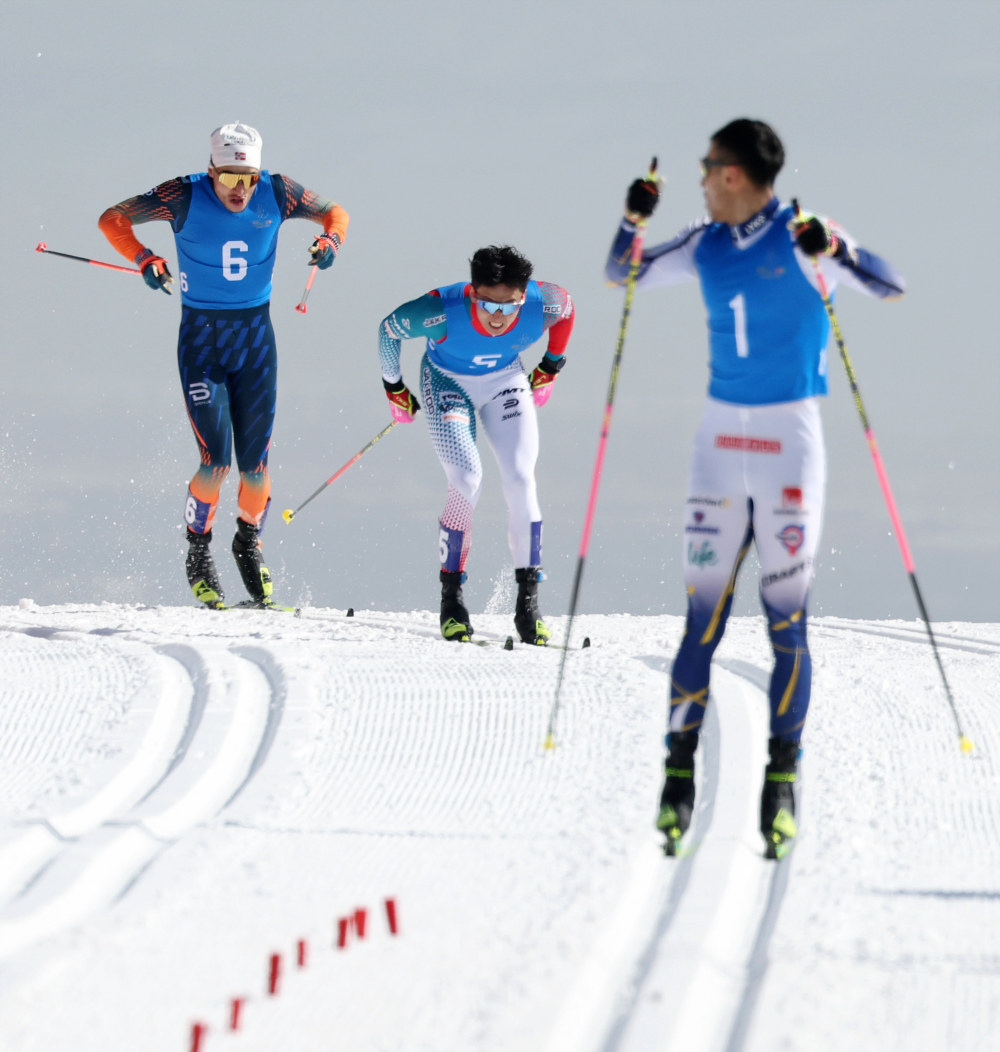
point(226, 350)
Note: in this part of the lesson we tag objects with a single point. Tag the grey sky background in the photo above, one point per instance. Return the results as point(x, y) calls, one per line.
point(442, 127)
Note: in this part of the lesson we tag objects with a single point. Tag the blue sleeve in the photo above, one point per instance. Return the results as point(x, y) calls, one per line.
point(619, 257)
point(874, 274)
point(664, 264)
point(856, 267)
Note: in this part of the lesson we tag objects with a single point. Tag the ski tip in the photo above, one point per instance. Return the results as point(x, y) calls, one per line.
point(508, 643)
point(350, 611)
point(550, 742)
point(288, 514)
point(586, 642)
point(967, 745)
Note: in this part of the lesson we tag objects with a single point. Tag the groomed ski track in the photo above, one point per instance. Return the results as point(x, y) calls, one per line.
point(200, 760)
point(211, 725)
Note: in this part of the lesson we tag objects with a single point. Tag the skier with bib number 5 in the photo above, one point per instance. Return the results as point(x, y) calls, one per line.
point(758, 472)
point(476, 331)
point(225, 223)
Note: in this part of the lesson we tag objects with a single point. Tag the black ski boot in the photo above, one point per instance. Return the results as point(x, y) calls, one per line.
point(777, 798)
point(677, 798)
point(527, 619)
point(455, 624)
point(201, 573)
point(246, 551)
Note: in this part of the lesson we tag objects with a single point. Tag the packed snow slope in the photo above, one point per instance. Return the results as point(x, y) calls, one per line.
point(185, 794)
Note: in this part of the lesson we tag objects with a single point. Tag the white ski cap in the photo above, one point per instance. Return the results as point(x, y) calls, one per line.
point(237, 144)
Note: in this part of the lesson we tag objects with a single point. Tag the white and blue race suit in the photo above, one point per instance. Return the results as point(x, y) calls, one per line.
point(465, 371)
point(758, 472)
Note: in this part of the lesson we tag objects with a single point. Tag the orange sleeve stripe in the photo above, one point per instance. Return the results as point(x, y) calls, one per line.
point(335, 221)
point(117, 228)
point(301, 203)
point(159, 204)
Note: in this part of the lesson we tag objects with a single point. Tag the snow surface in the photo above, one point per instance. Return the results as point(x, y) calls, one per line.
point(185, 794)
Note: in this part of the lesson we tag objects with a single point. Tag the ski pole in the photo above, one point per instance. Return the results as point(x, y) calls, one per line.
point(288, 514)
point(42, 247)
point(301, 305)
point(883, 479)
point(595, 482)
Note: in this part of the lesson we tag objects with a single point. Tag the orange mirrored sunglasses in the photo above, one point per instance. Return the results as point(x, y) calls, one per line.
point(233, 179)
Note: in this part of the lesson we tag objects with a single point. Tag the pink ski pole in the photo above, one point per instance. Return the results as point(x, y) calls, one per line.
point(288, 514)
point(301, 305)
point(42, 247)
point(595, 482)
point(883, 479)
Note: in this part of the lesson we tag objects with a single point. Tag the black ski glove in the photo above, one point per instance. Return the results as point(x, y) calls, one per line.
point(643, 197)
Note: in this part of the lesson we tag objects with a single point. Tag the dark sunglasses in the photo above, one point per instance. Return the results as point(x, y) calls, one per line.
point(707, 163)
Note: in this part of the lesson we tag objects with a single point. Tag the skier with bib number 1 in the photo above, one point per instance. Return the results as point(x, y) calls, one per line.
point(759, 467)
point(475, 333)
point(225, 223)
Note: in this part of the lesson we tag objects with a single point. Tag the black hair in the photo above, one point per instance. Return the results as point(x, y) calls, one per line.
point(500, 265)
point(754, 146)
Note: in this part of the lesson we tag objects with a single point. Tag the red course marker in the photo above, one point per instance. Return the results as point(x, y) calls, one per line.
point(390, 915)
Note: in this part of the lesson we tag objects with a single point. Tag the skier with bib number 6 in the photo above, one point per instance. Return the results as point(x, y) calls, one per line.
point(225, 223)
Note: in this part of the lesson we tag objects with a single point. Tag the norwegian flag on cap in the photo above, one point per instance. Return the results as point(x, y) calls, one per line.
point(236, 143)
